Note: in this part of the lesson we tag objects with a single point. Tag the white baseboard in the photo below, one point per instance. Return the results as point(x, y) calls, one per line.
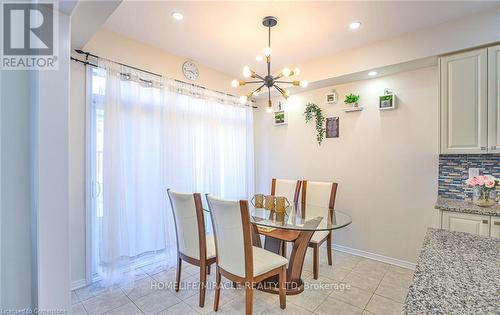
point(385, 259)
point(78, 284)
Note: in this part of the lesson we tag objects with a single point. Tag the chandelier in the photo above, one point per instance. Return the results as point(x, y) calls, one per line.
point(268, 81)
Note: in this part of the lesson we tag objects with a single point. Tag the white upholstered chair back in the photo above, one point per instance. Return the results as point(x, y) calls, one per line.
point(317, 193)
point(228, 228)
point(286, 188)
point(186, 223)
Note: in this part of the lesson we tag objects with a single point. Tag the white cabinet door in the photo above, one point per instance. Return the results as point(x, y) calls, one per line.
point(494, 99)
point(464, 106)
point(468, 223)
point(495, 227)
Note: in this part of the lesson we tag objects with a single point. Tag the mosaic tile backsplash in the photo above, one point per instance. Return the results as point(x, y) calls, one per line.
point(454, 171)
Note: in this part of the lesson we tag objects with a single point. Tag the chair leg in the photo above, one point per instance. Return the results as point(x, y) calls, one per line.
point(329, 248)
point(217, 289)
point(315, 261)
point(282, 282)
point(208, 269)
point(178, 276)
point(235, 285)
point(248, 298)
point(203, 281)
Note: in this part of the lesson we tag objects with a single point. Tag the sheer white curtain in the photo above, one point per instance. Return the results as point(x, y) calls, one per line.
point(209, 145)
point(155, 134)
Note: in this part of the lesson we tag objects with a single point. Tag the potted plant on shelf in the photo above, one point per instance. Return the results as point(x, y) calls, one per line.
point(484, 190)
point(352, 100)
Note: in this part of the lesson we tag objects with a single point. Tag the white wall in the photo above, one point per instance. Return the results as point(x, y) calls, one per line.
point(51, 178)
point(16, 281)
point(77, 174)
point(386, 162)
point(34, 205)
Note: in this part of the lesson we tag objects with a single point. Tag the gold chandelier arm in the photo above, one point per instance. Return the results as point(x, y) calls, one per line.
point(256, 90)
point(285, 82)
point(281, 91)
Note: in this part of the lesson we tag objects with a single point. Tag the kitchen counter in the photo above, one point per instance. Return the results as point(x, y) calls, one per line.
point(463, 206)
point(456, 273)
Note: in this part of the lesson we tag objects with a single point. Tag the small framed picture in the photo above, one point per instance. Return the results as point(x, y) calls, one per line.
point(279, 118)
point(332, 127)
point(387, 101)
point(331, 98)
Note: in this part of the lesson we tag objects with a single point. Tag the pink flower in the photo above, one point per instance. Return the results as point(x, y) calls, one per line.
point(489, 184)
point(484, 180)
point(471, 181)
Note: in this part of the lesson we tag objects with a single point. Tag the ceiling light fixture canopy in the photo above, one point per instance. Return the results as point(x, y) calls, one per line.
point(268, 81)
point(355, 25)
point(177, 15)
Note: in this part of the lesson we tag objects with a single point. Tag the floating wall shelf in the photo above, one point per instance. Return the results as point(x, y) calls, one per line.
point(353, 109)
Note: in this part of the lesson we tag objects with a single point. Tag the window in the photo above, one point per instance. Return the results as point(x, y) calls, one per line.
point(145, 138)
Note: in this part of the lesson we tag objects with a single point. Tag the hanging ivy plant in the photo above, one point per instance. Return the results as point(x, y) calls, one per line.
point(313, 110)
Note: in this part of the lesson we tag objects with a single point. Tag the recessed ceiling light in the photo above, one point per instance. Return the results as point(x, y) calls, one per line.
point(258, 58)
point(355, 25)
point(177, 15)
point(372, 73)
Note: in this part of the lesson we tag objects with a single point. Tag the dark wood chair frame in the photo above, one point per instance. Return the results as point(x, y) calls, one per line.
point(328, 238)
point(203, 262)
point(249, 280)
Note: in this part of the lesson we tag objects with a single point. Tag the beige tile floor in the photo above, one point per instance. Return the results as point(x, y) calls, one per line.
point(353, 285)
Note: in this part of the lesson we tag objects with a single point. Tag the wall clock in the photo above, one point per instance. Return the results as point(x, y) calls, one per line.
point(190, 70)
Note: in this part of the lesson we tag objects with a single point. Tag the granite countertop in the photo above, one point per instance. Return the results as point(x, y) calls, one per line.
point(464, 206)
point(456, 273)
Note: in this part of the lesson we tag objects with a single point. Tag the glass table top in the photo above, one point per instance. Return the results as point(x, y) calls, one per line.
point(300, 218)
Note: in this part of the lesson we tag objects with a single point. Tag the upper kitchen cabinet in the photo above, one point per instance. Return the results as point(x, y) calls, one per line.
point(470, 102)
point(494, 99)
point(464, 102)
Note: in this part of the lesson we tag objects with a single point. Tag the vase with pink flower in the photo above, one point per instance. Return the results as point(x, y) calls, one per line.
point(484, 190)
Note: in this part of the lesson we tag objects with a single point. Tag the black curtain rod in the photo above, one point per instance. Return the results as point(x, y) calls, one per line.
point(86, 62)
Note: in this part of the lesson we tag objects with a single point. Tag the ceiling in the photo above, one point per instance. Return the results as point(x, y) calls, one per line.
point(228, 35)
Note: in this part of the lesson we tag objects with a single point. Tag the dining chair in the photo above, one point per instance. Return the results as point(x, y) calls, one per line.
point(321, 194)
point(194, 246)
point(236, 257)
point(289, 189)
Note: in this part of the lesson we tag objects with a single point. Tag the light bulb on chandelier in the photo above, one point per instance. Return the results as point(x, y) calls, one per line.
point(247, 72)
point(286, 72)
point(267, 51)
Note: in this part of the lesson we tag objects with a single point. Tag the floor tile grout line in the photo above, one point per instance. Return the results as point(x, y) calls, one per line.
point(140, 309)
point(86, 312)
point(378, 285)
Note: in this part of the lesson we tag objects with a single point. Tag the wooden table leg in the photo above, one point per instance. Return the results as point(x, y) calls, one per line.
point(295, 284)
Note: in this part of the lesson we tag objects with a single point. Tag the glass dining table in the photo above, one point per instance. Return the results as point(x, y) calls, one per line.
point(296, 225)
